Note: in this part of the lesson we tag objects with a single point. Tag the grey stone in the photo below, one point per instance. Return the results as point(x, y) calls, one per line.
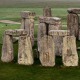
point(47, 51)
point(7, 49)
point(25, 54)
point(69, 54)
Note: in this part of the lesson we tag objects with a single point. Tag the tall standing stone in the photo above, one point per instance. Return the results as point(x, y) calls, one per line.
point(73, 22)
point(47, 12)
point(47, 51)
point(73, 25)
point(25, 54)
point(69, 54)
point(28, 23)
point(46, 24)
point(7, 49)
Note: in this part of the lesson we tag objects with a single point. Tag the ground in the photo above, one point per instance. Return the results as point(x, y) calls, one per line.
point(14, 71)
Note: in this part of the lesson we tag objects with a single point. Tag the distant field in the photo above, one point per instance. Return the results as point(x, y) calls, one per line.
point(40, 3)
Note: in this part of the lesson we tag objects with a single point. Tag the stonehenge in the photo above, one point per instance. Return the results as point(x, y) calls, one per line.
point(45, 25)
point(57, 36)
point(47, 12)
point(67, 47)
point(69, 52)
point(47, 51)
point(52, 41)
point(25, 54)
point(73, 22)
point(27, 23)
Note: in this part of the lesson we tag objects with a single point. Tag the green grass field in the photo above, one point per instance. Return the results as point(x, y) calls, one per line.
point(14, 71)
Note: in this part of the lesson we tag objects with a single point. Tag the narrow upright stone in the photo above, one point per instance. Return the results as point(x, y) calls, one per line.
point(7, 49)
point(73, 25)
point(28, 23)
point(47, 12)
point(69, 54)
point(25, 54)
point(47, 51)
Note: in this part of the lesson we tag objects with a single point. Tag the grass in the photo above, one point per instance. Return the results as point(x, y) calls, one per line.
point(14, 71)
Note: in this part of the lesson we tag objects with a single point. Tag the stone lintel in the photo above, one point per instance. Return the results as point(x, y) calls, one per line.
point(27, 14)
point(16, 32)
point(59, 32)
point(74, 10)
point(49, 20)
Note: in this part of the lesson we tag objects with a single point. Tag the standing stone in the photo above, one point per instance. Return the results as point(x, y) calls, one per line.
point(25, 54)
point(73, 24)
point(46, 24)
point(58, 39)
point(69, 54)
point(28, 23)
point(7, 49)
point(41, 32)
point(47, 51)
point(47, 12)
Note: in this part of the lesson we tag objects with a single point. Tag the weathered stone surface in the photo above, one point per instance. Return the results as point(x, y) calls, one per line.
point(25, 54)
point(47, 12)
point(16, 32)
point(58, 39)
point(49, 20)
point(28, 24)
point(45, 27)
point(74, 10)
point(41, 33)
point(59, 32)
point(69, 54)
point(47, 51)
point(27, 14)
point(73, 24)
point(7, 49)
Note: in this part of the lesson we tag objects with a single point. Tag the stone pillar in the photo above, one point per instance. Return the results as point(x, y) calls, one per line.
point(25, 54)
point(47, 51)
point(7, 49)
point(73, 24)
point(69, 54)
point(47, 12)
point(28, 23)
point(46, 24)
point(58, 39)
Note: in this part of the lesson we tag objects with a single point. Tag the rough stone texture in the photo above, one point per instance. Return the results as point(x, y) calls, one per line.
point(7, 49)
point(59, 32)
point(47, 12)
point(47, 51)
point(16, 32)
point(25, 54)
point(41, 32)
point(73, 24)
point(27, 23)
point(46, 24)
point(27, 14)
point(69, 54)
point(58, 39)
point(74, 10)
point(49, 20)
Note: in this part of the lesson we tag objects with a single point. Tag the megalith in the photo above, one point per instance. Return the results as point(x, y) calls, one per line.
point(27, 23)
point(69, 52)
